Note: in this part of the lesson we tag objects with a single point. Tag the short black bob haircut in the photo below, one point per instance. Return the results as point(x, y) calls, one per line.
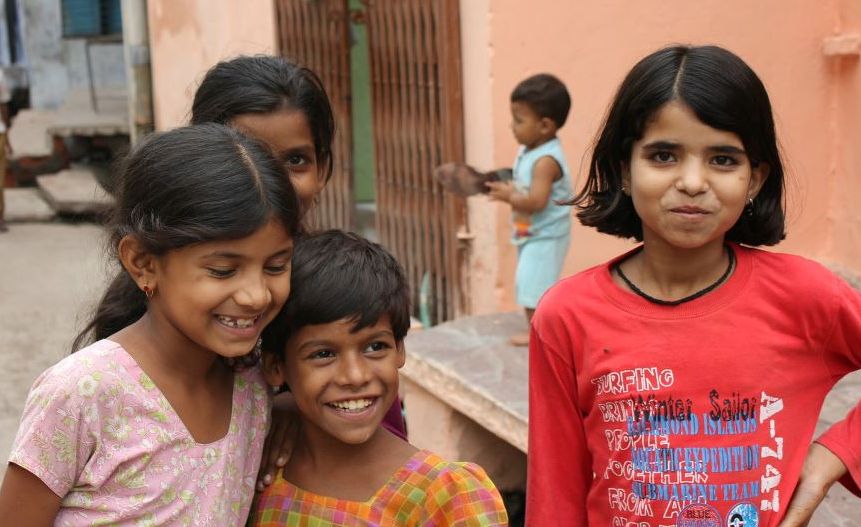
point(263, 84)
point(338, 275)
point(725, 94)
point(546, 96)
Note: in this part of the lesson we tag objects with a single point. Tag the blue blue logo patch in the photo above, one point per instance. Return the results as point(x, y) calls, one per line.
point(743, 515)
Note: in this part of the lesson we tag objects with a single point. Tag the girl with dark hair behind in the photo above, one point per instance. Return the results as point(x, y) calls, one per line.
point(148, 425)
point(285, 106)
point(680, 383)
point(279, 103)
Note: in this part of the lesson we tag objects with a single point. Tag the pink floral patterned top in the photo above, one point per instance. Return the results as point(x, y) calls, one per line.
point(100, 434)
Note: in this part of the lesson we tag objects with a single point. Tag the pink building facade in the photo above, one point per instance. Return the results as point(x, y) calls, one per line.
point(187, 37)
point(806, 53)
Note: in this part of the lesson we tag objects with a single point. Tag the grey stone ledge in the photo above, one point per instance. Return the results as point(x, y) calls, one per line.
point(74, 191)
point(26, 205)
point(469, 365)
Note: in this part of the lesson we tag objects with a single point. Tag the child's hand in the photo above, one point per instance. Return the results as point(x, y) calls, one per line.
point(500, 190)
point(821, 469)
point(280, 440)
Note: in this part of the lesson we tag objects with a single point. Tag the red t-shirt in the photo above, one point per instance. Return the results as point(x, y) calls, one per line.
point(699, 414)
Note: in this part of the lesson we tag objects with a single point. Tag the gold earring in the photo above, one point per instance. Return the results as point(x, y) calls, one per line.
point(148, 291)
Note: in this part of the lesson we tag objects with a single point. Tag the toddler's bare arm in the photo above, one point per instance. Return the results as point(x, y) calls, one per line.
point(544, 173)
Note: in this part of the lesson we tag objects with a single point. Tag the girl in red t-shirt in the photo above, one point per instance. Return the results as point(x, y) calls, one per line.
point(679, 384)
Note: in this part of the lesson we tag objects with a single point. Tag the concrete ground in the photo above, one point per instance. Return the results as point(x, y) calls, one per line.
point(51, 275)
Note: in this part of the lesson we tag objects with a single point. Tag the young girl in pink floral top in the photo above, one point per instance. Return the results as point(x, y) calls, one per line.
point(151, 426)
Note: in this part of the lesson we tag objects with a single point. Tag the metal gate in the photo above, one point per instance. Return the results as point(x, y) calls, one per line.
point(316, 34)
point(418, 123)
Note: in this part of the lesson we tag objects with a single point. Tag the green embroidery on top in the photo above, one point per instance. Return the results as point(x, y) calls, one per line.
point(146, 382)
point(159, 416)
point(168, 495)
point(132, 477)
point(187, 496)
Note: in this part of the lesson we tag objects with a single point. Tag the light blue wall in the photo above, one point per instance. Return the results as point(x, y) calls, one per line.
point(58, 66)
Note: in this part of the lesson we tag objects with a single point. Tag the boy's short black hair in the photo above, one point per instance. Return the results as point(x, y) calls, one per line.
point(545, 95)
point(725, 94)
point(339, 275)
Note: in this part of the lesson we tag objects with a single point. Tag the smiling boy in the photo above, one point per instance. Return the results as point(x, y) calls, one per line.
point(338, 345)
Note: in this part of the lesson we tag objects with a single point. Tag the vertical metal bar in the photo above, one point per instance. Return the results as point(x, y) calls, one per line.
point(419, 163)
point(436, 196)
point(380, 105)
point(453, 146)
point(394, 129)
point(403, 144)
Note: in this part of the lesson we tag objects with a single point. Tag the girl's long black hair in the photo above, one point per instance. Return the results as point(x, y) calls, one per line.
point(263, 84)
point(182, 187)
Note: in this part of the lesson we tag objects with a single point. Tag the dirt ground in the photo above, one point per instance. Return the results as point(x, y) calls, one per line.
point(51, 275)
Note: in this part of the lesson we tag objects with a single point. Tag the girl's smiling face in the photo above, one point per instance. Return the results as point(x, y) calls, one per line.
point(287, 133)
point(343, 381)
point(689, 182)
point(220, 295)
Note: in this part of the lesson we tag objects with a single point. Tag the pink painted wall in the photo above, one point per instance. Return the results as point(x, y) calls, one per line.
point(187, 37)
point(592, 45)
point(845, 212)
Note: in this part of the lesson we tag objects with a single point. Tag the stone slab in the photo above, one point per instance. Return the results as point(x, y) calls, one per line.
point(77, 117)
point(29, 133)
point(26, 205)
point(108, 100)
point(74, 191)
point(83, 123)
point(469, 364)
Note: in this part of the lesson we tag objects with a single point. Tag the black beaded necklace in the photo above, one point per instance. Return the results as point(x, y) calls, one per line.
point(701, 292)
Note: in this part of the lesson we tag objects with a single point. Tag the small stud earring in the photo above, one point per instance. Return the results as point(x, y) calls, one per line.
point(748, 209)
point(148, 291)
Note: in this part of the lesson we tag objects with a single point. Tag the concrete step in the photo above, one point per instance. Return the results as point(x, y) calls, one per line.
point(74, 191)
point(32, 131)
point(29, 133)
point(26, 205)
